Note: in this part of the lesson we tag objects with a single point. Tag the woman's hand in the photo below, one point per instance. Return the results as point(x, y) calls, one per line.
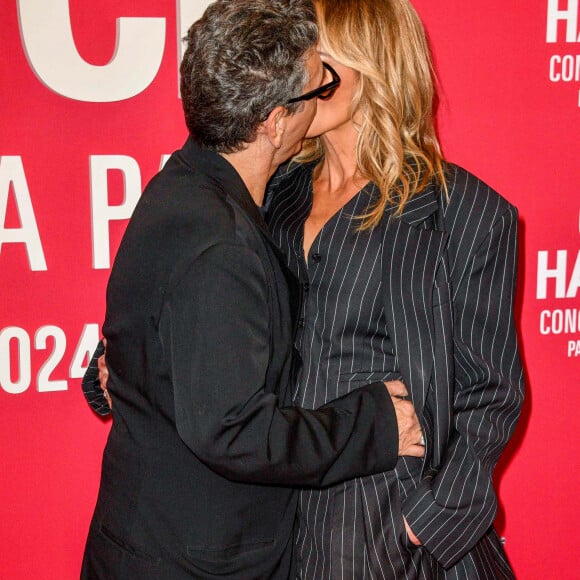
point(104, 374)
point(414, 539)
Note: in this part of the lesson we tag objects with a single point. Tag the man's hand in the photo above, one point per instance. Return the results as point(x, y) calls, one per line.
point(104, 375)
point(410, 434)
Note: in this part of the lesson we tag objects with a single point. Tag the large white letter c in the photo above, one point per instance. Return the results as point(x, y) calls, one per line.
point(48, 41)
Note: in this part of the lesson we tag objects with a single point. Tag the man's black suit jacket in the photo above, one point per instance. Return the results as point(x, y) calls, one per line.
point(199, 468)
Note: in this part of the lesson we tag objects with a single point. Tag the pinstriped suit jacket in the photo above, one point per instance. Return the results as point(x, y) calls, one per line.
point(449, 274)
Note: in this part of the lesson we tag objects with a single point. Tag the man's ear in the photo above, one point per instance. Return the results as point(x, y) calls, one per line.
point(274, 126)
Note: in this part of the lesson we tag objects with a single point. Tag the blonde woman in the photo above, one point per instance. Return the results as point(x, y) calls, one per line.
point(408, 269)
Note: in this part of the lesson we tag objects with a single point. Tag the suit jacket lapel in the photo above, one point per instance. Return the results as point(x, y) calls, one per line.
point(229, 181)
point(410, 258)
point(294, 287)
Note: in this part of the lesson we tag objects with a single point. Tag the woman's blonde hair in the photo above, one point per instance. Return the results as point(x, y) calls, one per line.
point(397, 146)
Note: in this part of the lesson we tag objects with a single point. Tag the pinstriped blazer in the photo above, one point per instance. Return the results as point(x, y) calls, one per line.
point(449, 274)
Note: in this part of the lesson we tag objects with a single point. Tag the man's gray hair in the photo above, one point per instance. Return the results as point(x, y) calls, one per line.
point(243, 59)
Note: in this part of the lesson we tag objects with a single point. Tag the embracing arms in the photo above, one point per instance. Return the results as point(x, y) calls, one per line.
point(214, 330)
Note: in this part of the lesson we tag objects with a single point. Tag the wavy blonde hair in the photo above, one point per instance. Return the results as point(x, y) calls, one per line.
point(397, 146)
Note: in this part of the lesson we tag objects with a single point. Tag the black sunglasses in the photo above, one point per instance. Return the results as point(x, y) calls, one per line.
point(324, 92)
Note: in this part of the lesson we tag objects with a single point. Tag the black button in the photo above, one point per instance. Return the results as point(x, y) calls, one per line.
point(316, 257)
point(301, 323)
point(306, 287)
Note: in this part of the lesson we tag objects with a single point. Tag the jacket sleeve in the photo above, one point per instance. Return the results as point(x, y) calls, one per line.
point(214, 329)
point(456, 504)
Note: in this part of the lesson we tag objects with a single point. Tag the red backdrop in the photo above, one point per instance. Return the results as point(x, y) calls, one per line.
point(89, 107)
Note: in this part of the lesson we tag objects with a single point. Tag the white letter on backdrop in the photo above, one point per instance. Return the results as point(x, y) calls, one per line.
point(48, 41)
point(558, 273)
point(101, 212)
point(569, 15)
point(12, 171)
point(574, 283)
point(84, 350)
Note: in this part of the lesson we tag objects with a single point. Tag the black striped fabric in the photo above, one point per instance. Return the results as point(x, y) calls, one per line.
point(435, 309)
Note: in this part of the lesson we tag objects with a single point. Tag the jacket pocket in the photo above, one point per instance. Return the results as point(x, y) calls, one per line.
point(127, 547)
point(232, 559)
point(442, 294)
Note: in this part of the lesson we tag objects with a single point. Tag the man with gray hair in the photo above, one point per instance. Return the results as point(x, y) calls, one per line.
point(204, 452)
